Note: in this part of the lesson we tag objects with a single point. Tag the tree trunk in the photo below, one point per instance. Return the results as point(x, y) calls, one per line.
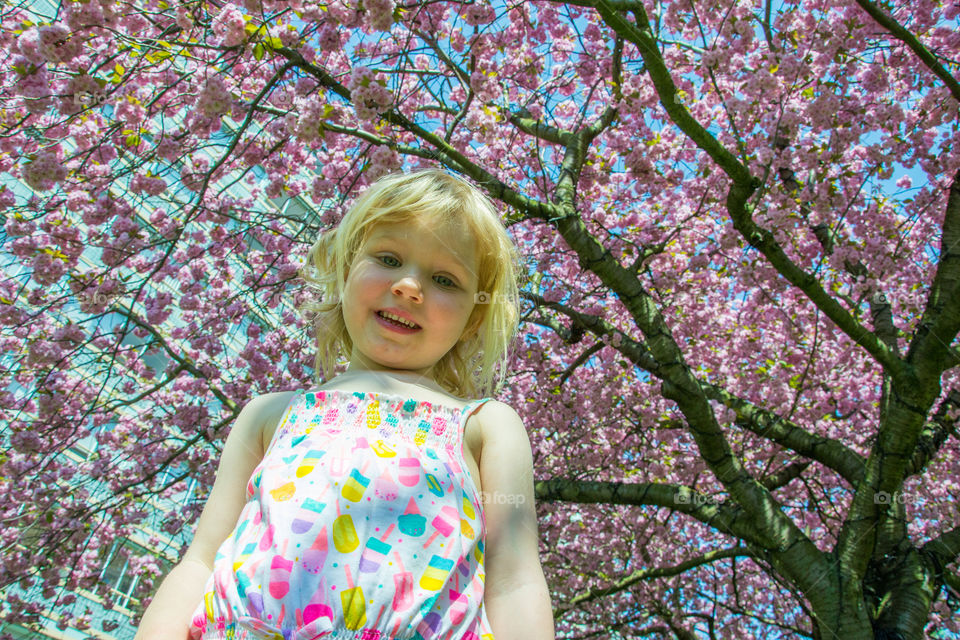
point(838, 606)
point(904, 589)
point(844, 617)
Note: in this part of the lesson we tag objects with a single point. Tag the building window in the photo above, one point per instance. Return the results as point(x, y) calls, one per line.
point(117, 573)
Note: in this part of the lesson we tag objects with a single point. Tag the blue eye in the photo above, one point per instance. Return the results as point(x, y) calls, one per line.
point(449, 283)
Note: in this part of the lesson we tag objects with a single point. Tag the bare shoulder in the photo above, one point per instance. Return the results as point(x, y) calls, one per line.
point(498, 421)
point(266, 411)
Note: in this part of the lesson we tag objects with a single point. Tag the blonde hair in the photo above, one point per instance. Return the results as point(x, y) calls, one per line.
point(477, 364)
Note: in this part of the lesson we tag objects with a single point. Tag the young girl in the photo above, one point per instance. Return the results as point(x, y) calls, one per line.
point(380, 505)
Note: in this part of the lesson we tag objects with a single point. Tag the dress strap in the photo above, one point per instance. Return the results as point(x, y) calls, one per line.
point(469, 409)
point(289, 415)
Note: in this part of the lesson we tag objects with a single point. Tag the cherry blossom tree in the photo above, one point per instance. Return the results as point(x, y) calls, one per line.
point(738, 357)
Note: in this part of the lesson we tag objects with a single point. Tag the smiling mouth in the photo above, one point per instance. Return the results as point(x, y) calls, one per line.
point(397, 322)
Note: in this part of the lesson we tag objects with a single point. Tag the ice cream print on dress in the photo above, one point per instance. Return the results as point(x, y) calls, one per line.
point(381, 528)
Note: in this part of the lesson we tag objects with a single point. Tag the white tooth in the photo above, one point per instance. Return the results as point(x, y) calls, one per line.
point(398, 319)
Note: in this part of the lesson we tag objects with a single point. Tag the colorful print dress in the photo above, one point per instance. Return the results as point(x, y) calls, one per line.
point(361, 522)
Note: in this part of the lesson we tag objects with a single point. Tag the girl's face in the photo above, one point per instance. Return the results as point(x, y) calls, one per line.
point(426, 274)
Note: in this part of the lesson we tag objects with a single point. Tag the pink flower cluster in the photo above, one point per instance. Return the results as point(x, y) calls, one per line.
point(481, 118)
point(214, 99)
point(49, 43)
point(478, 13)
point(158, 308)
point(7, 198)
point(369, 93)
point(47, 268)
point(33, 85)
point(328, 37)
point(229, 26)
point(45, 170)
point(382, 160)
point(151, 185)
point(184, 20)
point(380, 13)
point(288, 35)
point(345, 12)
point(97, 14)
point(484, 84)
point(81, 92)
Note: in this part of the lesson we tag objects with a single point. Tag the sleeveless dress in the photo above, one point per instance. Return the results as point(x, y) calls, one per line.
point(361, 522)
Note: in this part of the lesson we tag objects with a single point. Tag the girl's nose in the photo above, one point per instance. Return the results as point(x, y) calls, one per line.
point(408, 285)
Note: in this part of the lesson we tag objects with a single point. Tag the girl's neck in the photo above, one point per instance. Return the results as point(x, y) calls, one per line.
point(419, 380)
point(394, 383)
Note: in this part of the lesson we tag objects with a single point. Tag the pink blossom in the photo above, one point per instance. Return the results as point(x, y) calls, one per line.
point(369, 93)
point(229, 26)
point(478, 13)
point(329, 37)
point(184, 21)
point(48, 43)
point(214, 99)
point(380, 13)
point(151, 185)
point(45, 169)
point(345, 12)
point(484, 84)
point(288, 35)
point(81, 92)
point(7, 199)
point(383, 160)
point(168, 149)
point(33, 83)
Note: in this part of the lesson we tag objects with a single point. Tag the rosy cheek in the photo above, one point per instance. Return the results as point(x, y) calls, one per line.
point(368, 275)
point(457, 307)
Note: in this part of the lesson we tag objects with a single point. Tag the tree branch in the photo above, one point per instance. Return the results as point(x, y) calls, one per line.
point(952, 580)
point(941, 316)
point(828, 452)
point(649, 574)
point(725, 518)
point(444, 151)
point(934, 435)
point(524, 120)
point(784, 476)
point(766, 424)
point(641, 36)
point(915, 45)
point(574, 157)
point(742, 188)
point(637, 351)
point(943, 549)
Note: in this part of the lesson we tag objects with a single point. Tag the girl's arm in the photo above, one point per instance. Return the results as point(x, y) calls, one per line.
point(515, 596)
point(168, 616)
